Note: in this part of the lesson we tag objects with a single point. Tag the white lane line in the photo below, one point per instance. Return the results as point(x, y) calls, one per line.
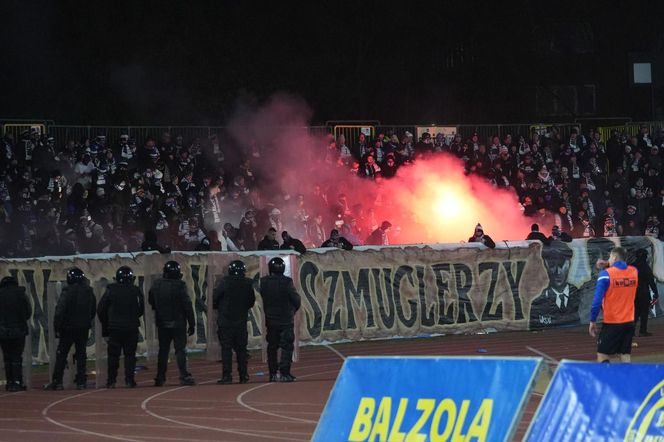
point(15, 393)
point(240, 400)
point(79, 430)
point(335, 351)
point(144, 407)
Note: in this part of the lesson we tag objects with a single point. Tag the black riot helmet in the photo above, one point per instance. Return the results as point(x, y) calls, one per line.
point(237, 268)
point(8, 281)
point(276, 266)
point(125, 275)
point(75, 276)
point(172, 270)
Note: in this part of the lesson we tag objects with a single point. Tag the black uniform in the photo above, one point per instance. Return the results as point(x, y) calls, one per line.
point(233, 298)
point(74, 313)
point(173, 311)
point(15, 310)
point(280, 302)
point(119, 311)
point(642, 299)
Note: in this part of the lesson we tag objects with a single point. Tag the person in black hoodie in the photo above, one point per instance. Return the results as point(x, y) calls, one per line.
point(174, 317)
point(280, 302)
point(119, 312)
point(536, 235)
point(150, 243)
point(269, 241)
point(643, 301)
point(233, 298)
point(74, 313)
point(335, 240)
point(291, 243)
point(15, 310)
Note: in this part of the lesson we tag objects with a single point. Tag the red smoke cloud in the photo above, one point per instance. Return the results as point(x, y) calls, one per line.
point(446, 204)
point(427, 202)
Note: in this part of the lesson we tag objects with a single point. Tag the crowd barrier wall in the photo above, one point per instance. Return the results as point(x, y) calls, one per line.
point(367, 293)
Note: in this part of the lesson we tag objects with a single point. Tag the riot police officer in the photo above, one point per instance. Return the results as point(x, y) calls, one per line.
point(74, 313)
point(15, 310)
point(233, 298)
point(173, 312)
point(280, 302)
point(119, 312)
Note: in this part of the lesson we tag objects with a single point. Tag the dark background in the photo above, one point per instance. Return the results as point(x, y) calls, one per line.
point(406, 62)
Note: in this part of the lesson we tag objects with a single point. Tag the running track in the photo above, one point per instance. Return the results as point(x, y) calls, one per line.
point(258, 411)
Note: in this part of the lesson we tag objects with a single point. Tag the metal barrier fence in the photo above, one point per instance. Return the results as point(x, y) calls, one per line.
point(65, 133)
point(630, 129)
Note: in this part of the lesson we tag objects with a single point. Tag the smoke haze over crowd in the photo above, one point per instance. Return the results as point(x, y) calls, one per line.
point(431, 200)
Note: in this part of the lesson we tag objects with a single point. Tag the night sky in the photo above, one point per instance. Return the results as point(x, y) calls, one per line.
point(192, 62)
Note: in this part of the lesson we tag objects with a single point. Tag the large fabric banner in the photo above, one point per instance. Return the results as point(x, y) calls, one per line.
point(367, 293)
point(408, 291)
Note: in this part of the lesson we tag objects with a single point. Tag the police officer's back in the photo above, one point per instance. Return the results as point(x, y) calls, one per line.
point(119, 312)
point(280, 302)
point(74, 313)
point(233, 298)
point(280, 299)
point(174, 317)
point(15, 310)
point(76, 306)
point(170, 301)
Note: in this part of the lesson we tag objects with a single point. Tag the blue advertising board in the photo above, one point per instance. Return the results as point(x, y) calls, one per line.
point(427, 398)
point(602, 402)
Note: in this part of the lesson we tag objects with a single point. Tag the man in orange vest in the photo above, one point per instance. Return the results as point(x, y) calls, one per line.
point(614, 294)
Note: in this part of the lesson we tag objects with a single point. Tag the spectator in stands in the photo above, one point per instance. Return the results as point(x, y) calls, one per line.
point(379, 237)
point(269, 241)
point(335, 240)
point(150, 243)
point(536, 235)
point(558, 235)
point(480, 237)
point(290, 243)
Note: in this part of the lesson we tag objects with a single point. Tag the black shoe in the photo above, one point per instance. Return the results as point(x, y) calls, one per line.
point(110, 385)
point(81, 386)
point(55, 386)
point(288, 378)
point(16, 386)
point(274, 378)
point(130, 384)
point(244, 378)
point(159, 382)
point(226, 379)
point(645, 334)
point(187, 381)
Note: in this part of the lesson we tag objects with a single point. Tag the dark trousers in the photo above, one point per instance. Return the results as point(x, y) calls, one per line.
point(641, 312)
point(12, 352)
point(178, 336)
point(122, 341)
point(79, 339)
point(233, 339)
point(280, 337)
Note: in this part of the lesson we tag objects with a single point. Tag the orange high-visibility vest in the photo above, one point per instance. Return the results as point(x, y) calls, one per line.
point(618, 304)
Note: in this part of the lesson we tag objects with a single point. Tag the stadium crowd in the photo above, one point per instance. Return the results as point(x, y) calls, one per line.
point(95, 196)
